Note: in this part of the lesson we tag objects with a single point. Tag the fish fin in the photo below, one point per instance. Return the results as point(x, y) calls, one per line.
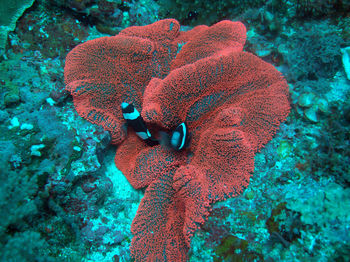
point(164, 139)
point(125, 128)
point(188, 140)
point(152, 141)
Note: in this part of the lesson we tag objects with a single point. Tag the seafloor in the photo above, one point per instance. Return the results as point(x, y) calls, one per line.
point(62, 197)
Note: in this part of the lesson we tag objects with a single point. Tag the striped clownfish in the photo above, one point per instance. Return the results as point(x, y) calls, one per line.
point(134, 120)
point(179, 139)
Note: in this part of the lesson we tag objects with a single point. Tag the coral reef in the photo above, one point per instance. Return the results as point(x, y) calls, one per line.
point(209, 12)
point(204, 12)
point(321, 8)
point(109, 16)
point(62, 197)
point(323, 57)
point(186, 182)
point(10, 11)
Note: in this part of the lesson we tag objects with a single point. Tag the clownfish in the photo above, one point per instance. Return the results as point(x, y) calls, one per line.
point(179, 139)
point(134, 119)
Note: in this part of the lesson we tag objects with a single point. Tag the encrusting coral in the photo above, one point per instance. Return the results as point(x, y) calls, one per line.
point(10, 11)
